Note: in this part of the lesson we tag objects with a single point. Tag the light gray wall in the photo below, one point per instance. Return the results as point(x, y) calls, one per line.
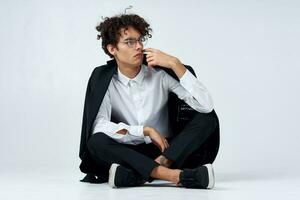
point(245, 52)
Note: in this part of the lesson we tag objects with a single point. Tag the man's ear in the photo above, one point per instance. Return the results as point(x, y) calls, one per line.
point(111, 49)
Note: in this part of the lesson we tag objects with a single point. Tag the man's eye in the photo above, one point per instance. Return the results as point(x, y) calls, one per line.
point(130, 42)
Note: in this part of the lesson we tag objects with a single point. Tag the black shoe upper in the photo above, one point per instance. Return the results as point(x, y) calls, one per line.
point(194, 178)
point(125, 177)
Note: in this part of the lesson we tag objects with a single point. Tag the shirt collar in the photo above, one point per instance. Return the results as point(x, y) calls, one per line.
point(138, 78)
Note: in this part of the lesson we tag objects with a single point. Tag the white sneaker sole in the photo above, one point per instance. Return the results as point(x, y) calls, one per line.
point(211, 176)
point(112, 174)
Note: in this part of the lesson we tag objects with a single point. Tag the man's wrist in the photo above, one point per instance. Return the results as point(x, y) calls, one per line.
point(146, 130)
point(177, 67)
point(173, 62)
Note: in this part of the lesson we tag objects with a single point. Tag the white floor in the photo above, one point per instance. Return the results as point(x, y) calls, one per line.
point(41, 185)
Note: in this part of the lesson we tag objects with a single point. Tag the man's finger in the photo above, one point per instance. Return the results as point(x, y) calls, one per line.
point(156, 144)
point(164, 141)
point(149, 55)
point(167, 143)
point(149, 50)
point(148, 60)
point(162, 146)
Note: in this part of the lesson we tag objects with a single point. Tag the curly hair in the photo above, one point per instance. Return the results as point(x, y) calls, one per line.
point(109, 29)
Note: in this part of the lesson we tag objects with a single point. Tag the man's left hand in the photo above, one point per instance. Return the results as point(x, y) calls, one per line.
point(156, 57)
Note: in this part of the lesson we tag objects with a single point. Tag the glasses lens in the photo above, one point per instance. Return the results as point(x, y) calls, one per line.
point(131, 43)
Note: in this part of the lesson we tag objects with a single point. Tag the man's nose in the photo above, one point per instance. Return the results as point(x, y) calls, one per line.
point(139, 45)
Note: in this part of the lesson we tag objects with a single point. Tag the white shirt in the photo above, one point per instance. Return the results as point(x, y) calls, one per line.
point(143, 101)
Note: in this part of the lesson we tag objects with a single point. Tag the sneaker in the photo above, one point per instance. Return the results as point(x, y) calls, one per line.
point(202, 177)
point(120, 176)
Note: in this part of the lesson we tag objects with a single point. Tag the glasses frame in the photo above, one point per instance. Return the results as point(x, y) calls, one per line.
point(131, 42)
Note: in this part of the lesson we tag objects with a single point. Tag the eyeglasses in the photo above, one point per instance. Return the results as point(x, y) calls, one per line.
point(131, 42)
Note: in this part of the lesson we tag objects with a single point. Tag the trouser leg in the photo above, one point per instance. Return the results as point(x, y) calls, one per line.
point(207, 152)
point(105, 151)
point(195, 134)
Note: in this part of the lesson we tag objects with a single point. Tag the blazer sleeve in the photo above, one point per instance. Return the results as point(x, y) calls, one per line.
point(84, 131)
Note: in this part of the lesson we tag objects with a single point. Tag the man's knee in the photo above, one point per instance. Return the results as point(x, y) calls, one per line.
point(209, 119)
point(98, 141)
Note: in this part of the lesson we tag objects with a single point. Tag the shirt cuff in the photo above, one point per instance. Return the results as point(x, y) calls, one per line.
point(188, 80)
point(147, 139)
point(137, 131)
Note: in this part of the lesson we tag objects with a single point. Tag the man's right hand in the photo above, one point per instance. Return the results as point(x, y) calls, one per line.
point(157, 139)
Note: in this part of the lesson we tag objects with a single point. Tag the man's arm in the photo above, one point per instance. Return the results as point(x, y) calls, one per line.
point(120, 132)
point(189, 89)
point(156, 57)
point(178, 68)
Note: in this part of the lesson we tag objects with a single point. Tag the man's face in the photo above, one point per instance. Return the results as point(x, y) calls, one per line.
point(129, 52)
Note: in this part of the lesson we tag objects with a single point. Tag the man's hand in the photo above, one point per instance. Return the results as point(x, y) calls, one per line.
point(157, 139)
point(156, 57)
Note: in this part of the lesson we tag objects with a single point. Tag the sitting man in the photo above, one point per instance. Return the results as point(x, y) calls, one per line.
point(128, 137)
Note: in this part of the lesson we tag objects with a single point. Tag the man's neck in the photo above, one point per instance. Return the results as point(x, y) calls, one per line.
point(129, 71)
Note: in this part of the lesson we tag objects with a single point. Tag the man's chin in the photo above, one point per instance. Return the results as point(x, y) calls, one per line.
point(137, 63)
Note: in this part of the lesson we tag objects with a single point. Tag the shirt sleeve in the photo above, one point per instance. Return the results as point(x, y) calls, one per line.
point(191, 90)
point(102, 123)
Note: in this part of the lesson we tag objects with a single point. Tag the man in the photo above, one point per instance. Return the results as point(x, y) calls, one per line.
point(127, 137)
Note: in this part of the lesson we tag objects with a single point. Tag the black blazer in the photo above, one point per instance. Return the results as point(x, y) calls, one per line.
point(179, 112)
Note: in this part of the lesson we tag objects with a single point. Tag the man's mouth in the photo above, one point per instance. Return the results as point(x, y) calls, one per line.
point(138, 55)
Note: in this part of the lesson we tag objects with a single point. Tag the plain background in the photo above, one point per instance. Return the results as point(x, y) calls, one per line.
point(245, 52)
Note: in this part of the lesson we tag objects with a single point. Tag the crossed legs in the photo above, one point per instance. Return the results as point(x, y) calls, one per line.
point(106, 151)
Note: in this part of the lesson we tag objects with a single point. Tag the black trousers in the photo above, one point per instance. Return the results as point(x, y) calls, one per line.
point(193, 147)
